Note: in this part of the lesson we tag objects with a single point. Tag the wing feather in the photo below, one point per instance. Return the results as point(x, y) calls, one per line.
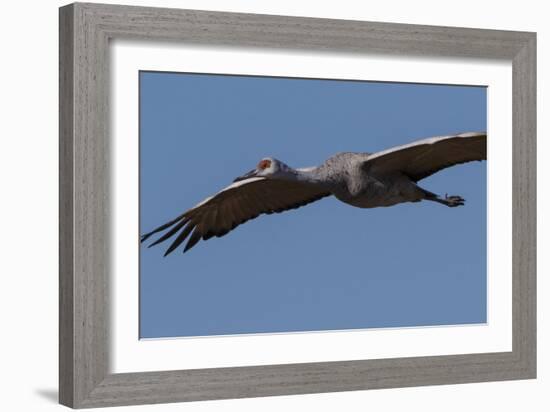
point(423, 158)
point(171, 232)
point(236, 204)
point(195, 237)
point(180, 238)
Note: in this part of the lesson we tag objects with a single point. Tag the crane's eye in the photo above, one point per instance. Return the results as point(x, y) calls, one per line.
point(264, 164)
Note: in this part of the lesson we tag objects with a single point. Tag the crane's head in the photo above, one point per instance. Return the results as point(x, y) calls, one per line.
point(268, 167)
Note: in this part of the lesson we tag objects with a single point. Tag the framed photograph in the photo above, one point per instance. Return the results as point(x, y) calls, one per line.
point(257, 205)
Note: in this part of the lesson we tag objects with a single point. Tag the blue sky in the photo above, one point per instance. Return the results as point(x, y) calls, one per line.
point(325, 266)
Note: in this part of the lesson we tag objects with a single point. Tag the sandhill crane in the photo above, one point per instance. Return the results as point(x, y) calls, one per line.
point(363, 180)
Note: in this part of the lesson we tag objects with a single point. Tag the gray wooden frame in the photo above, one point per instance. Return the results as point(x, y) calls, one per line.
point(85, 31)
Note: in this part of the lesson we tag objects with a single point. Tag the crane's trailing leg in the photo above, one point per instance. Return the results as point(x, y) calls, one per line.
point(451, 201)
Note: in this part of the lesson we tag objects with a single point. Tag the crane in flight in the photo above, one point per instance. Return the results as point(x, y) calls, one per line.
point(364, 180)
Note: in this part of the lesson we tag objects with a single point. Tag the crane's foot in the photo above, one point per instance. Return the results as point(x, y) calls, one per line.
point(452, 201)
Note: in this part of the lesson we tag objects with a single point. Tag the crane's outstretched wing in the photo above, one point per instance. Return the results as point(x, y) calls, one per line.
point(234, 205)
point(423, 158)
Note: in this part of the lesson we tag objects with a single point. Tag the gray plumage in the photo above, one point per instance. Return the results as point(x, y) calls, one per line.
point(363, 180)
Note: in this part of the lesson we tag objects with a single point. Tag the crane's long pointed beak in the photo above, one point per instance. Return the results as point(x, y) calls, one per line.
point(247, 175)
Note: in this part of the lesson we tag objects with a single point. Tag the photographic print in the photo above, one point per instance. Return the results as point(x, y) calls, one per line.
point(281, 205)
point(293, 205)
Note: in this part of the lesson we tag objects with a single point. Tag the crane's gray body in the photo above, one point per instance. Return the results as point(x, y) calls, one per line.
point(347, 178)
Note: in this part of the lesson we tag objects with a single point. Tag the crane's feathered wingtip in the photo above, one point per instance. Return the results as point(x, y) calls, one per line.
point(144, 237)
point(188, 246)
point(193, 240)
